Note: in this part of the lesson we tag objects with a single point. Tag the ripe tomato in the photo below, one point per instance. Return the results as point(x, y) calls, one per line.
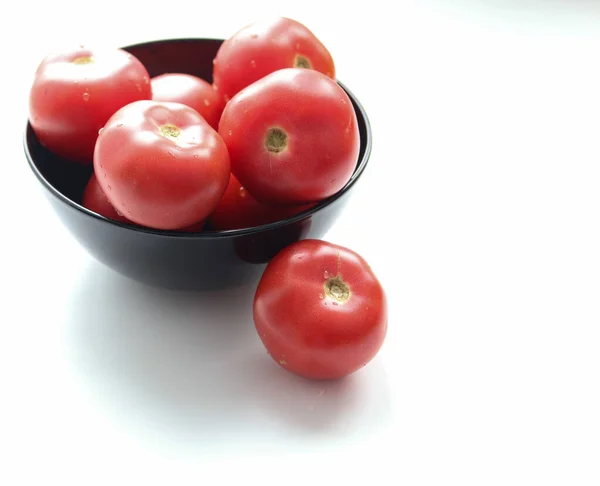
point(161, 164)
point(75, 92)
point(292, 137)
point(264, 47)
point(95, 200)
point(319, 310)
point(238, 209)
point(191, 91)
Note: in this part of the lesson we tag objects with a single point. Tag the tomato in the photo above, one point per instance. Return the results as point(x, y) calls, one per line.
point(161, 164)
point(319, 310)
point(191, 91)
point(75, 92)
point(95, 200)
point(264, 47)
point(292, 137)
point(238, 209)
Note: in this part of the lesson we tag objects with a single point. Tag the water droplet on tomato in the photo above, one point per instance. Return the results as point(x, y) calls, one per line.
point(254, 36)
point(206, 102)
point(334, 303)
point(196, 156)
point(297, 46)
point(326, 275)
point(109, 186)
point(139, 88)
point(85, 96)
point(242, 192)
point(76, 81)
point(119, 125)
point(321, 296)
point(172, 154)
point(253, 63)
point(230, 133)
point(119, 212)
point(99, 132)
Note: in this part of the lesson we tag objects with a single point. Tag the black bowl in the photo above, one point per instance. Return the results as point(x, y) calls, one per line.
point(207, 260)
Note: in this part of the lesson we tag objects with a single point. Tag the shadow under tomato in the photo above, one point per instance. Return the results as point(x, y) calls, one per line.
point(339, 407)
point(190, 368)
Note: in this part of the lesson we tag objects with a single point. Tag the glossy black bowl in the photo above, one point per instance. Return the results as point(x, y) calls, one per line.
point(207, 260)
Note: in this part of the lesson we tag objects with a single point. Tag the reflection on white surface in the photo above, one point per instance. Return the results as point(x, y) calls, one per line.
point(188, 368)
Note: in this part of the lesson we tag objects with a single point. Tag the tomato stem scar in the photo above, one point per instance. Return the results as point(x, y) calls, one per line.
point(337, 289)
point(83, 60)
point(276, 140)
point(170, 131)
point(301, 62)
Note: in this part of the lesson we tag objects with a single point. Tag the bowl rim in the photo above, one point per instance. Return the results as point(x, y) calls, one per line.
point(211, 234)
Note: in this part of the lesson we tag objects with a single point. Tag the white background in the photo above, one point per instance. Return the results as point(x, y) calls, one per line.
point(480, 213)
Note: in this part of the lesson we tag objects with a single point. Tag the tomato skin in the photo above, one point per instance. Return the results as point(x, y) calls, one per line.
point(238, 209)
point(307, 331)
point(95, 200)
point(323, 140)
point(266, 46)
point(191, 91)
point(157, 180)
point(70, 100)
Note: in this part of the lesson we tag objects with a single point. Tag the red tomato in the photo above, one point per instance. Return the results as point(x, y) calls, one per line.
point(95, 200)
point(263, 47)
point(292, 137)
point(75, 92)
point(191, 91)
point(319, 310)
point(238, 209)
point(161, 164)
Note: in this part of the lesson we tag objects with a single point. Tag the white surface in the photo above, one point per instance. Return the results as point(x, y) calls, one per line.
point(480, 212)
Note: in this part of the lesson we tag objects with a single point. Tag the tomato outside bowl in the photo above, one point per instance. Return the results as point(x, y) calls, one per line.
point(208, 260)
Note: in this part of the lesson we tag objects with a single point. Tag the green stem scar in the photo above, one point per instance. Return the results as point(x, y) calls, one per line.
point(170, 131)
point(83, 60)
point(276, 140)
point(301, 62)
point(337, 289)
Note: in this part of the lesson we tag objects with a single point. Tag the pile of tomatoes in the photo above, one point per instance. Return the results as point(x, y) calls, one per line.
point(270, 137)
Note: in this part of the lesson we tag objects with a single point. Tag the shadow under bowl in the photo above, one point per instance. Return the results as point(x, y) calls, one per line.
point(209, 260)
